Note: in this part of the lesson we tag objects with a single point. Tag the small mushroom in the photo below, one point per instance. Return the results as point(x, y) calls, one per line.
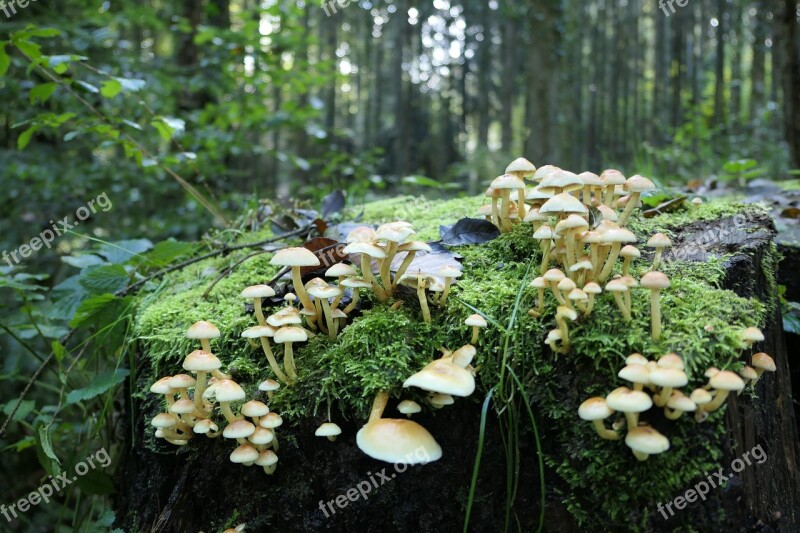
point(204, 331)
point(667, 379)
point(181, 383)
point(617, 287)
point(262, 333)
point(678, 404)
point(254, 409)
point(631, 402)
point(368, 252)
point(592, 289)
point(637, 374)
point(659, 241)
point(356, 284)
point(268, 460)
point(700, 397)
point(439, 400)
point(611, 178)
point(762, 363)
point(449, 273)
point(635, 185)
point(540, 284)
point(288, 336)
point(408, 407)
point(596, 410)
point(750, 336)
point(645, 441)
point(655, 282)
point(748, 374)
point(162, 387)
point(392, 234)
point(420, 282)
point(553, 277)
point(226, 391)
point(329, 430)
point(297, 258)
point(244, 454)
point(724, 382)
point(257, 292)
point(476, 322)
point(443, 376)
point(269, 386)
point(411, 249)
point(340, 271)
point(628, 254)
point(201, 363)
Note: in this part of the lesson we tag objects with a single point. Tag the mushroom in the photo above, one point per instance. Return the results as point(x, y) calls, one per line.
point(356, 284)
point(637, 374)
point(667, 379)
point(184, 409)
point(206, 427)
point(392, 234)
point(203, 331)
point(553, 337)
point(268, 460)
point(168, 424)
point(476, 322)
point(439, 400)
point(339, 271)
point(659, 241)
point(201, 363)
point(562, 204)
point(568, 228)
point(449, 273)
point(579, 298)
point(748, 374)
point(262, 437)
point(590, 181)
point(553, 277)
point(410, 249)
point(226, 391)
point(615, 237)
point(239, 430)
point(636, 359)
point(162, 387)
point(762, 363)
point(545, 237)
point(254, 409)
point(645, 441)
point(521, 168)
point(750, 336)
point(244, 454)
point(560, 181)
point(408, 407)
point(617, 287)
point(443, 376)
point(257, 292)
point(269, 386)
point(329, 430)
point(611, 178)
point(540, 284)
point(592, 289)
point(322, 292)
point(724, 382)
point(505, 184)
point(635, 185)
point(565, 286)
point(628, 254)
point(297, 258)
point(272, 421)
point(631, 402)
point(262, 333)
point(700, 397)
point(287, 336)
point(596, 410)
point(496, 196)
point(181, 383)
point(564, 313)
point(655, 282)
point(396, 440)
point(368, 252)
point(420, 282)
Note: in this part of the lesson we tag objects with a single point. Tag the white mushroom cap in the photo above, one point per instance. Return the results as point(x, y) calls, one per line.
point(681, 402)
point(630, 251)
point(463, 356)
point(295, 257)
point(164, 420)
point(201, 361)
point(356, 283)
point(439, 400)
point(636, 359)
point(627, 400)
point(398, 441)
point(394, 232)
point(340, 269)
point(444, 377)
point(328, 429)
point(726, 380)
point(764, 362)
point(258, 291)
point(647, 440)
point(612, 176)
point(659, 240)
point(203, 330)
point(162, 386)
point(244, 454)
point(563, 203)
point(592, 288)
point(288, 315)
point(595, 409)
point(521, 167)
point(226, 390)
point(269, 385)
point(182, 407)
point(266, 458)
point(271, 420)
point(254, 408)
point(476, 320)
point(752, 335)
point(204, 426)
point(507, 181)
point(290, 334)
point(256, 332)
point(668, 377)
point(365, 248)
point(360, 234)
point(409, 407)
point(700, 397)
point(562, 180)
point(635, 373)
point(671, 360)
point(639, 183)
point(655, 280)
point(240, 429)
point(261, 436)
point(181, 381)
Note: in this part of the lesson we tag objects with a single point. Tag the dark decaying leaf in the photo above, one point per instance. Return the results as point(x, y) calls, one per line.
point(468, 231)
point(332, 204)
point(429, 263)
point(666, 207)
point(328, 251)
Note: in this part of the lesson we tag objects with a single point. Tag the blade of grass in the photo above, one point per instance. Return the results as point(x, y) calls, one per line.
point(478, 455)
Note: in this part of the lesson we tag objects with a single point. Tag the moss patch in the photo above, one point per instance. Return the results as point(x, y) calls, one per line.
point(381, 348)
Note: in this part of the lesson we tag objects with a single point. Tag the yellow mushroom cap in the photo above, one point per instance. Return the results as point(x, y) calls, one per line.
point(655, 280)
point(398, 441)
point(270, 421)
point(244, 454)
point(258, 291)
point(162, 386)
point(203, 330)
point(239, 429)
point(164, 420)
point(748, 372)
point(201, 361)
point(254, 408)
point(700, 396)
point(645, 439)
point(726, 380)
point(295, 257)
point(328, 429)
point(444, 377)
point(261, 436)
point(659, 240)
point(668, 377)
point(752, 335)
point(409, 407)
point(476, 320)
point(595, 409)
point(764, 362)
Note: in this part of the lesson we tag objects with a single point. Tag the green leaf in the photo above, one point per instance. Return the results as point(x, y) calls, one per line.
point(99, 309)
point(5, 61)
point(96, 482)
point(42, 92)
point(41, 32)
point(47, 457)
point(130, 84)
point(32, 50)
point(24, 409)
point(110, 88)
point(88, 86)
point(101, 279)
point(167, 251)
point(58, 351)
point(25, 137)
point(82, 261)
point(98, 386)
point(123, 251)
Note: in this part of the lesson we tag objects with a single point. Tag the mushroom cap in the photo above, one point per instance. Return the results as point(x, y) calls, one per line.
point(647, 440)
point(629, 281)
point(226, 390)
point(266, 458)
point(578, 295)
point(244, 454)
point(356, 283)
point(269, 385)
point(671, 360)
point(449, 271)
point(752, 335)
point(764, 362)
point(206, 425)
point(463, 356)
point(618, 235)
point(668, 377)
point(256, 332)
point(591, 179)
point(271, 420)
point(201, 361)
point(164, 420)
point(539, 283)
point(566, 285)
point(162, 386)
point(628, 400)
point(476, 320)
point(616, 285)
point(258, 291)
point(544, 232)
point(261, 436)
point(394, 232)
point(439, 400)
point(183, 406)
point(572, 222)
point(398, 441)
point(365, 248)
point(239, 429)
point(507, 181)
point(630, 251)
point(360, 234)
point(290, 334)
point(340, 269)
point(417, 246)
point(328, 429)
point(324, 291)
point(659, 240)
point(595, 409)
point(654, 280)
point(592, 288)
point(338, 313)
point(493, 193)
point(563, 203)
point(608, 213)
point(444, 377)
point(711, 372)
point(409, 407)
point(554, 274)
point(612, 176)
point(544, 171)
point(254, 408)
point(565, 312)
point(287, 315)
point(748, 372)
point(640, 184)
point(202, 330)
point(636, 359)
point(181, 381)
point(562, 181)
point(726, 380)
point(295, 257)
point(697, 201)
point(522, 167)
point(289, 298)
point(533, 215)
point(635, 373)
point(700, 396)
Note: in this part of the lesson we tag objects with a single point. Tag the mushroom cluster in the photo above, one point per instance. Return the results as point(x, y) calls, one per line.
point(193, 401)
point(579, 221)
point(659, 383)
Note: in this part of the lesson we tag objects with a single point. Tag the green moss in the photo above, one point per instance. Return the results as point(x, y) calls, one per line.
point(380, 348)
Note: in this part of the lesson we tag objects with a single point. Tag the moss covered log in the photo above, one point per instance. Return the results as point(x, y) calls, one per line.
point(591, 483)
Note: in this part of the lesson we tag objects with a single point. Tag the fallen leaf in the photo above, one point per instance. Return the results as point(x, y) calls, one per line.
point(468, 231)
point(332, 204)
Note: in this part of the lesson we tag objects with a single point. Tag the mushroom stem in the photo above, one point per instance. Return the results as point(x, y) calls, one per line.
point(540, 303)
point(626, 264)
point(199, 389)
point(562, 326)
point(604, 432)
point(443, 297)
point(288, 362)
point(657, 258)
point(590, 305)
point(323, 324)
point(521, 208)
point(353, 302)
point(423, 302)
point(272, 362)
point(206, 344)
point(338, 299)
point(404, 266)
point(386, 279)
point(626, 297)
point(300, 290)
point(378, 405)
point(557, 293)
point(655, 313)
point(326, 311)
point(546, 245)
point(495, 216)
point(475, 333)
point(612, 258)
point(259, 312)
point(641, 456)
point(225, 408)
point(632, 420)
point(219, 375)
point(661, 398)
point(672, 414)
point(629, 207)
point(366, 270)
point(719, 398)
point(505, 201)
point(621, 304)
